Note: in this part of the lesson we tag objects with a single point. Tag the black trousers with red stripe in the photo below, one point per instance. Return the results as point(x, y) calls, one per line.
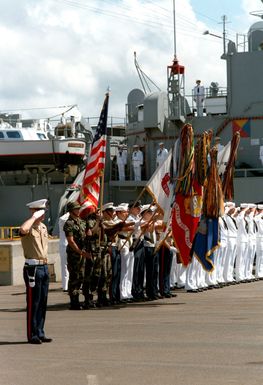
point(36, 298)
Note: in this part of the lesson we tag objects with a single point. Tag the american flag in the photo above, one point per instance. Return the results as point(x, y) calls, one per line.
point(90, 190)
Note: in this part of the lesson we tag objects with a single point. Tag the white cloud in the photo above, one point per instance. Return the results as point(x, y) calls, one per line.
point(57, 54)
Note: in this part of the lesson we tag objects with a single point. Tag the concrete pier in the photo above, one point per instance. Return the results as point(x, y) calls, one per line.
point(209, 338)
point(12, 261)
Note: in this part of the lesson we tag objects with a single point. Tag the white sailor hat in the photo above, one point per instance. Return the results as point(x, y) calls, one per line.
point(40, 204)
point(148, 208)
point(252, 205)
point(243, 205)
point(260, 207)
point(135, 146)
point(230, 204)
point(122, 207)
point(161, 143)
point(108, 206)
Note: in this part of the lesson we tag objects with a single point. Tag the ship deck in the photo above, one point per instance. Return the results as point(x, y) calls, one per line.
point(209, 338)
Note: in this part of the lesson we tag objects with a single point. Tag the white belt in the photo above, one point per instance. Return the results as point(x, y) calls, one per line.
point(35, 262)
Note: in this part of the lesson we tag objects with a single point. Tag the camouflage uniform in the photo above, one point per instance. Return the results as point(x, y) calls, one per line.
point(97, 269)
point(77, 228)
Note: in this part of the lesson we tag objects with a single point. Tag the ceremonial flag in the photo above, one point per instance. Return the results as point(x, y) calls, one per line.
point(223, 157)
point(160, 186)
point(206, 242)
point(242, 126)
point(188, 195)
point(185, 218)
point(90, 190)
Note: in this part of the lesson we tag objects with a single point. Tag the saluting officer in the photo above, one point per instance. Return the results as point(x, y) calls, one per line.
point(34, 239)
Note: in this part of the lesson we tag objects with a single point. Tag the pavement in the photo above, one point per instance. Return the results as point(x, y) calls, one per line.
point(209, 338)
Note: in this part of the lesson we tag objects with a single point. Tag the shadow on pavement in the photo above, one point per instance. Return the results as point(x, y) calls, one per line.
point(13, 342)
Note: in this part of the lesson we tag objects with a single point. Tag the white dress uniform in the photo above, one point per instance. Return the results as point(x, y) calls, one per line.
point(173, 273)
point(191, 278)
point(259, 244)
point(62, 251)
point(231, 248)
point(201, 277)
point(251, 249)
point(125, 241)
point(181, 275)
point(220, 256)
point(199, 94)
point(161, 155)
point(121, 163)
point(137, 162)
point(242, 245)
point(127, 261)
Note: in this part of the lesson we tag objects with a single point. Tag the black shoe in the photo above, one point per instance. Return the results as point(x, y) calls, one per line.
point(192, 291)
point(167, 295)
point(75, 307)
point(35, 341)
point(85, 306)
point(45, 339)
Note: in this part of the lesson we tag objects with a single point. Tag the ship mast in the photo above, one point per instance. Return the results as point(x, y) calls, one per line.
point(176, 84)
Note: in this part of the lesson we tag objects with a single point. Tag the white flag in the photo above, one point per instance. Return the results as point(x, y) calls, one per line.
point(160, 186)
point(223, 157)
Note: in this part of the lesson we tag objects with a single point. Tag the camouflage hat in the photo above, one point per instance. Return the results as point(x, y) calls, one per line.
point(73, 206)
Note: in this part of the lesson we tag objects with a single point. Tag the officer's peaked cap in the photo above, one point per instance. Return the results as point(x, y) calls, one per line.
point(40, 204)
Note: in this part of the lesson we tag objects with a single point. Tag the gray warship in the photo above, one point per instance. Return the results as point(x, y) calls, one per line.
point(158, 116)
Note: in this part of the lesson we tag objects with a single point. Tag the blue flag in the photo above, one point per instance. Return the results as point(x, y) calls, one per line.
point(206, 242)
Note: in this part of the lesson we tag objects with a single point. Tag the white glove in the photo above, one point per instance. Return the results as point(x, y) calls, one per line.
point(39, 213)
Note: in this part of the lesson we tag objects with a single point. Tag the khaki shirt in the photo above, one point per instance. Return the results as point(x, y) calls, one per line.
point(35, 243)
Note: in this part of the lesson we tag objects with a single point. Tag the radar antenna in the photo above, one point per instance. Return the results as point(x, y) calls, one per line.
point(144, 79)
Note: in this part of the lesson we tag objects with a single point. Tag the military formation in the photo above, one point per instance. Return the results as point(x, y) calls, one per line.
point(120, 255)
point(126, 253)
point(113, 255)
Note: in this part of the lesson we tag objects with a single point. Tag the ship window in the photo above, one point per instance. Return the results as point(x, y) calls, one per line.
point(1, 135)
point(13, 134)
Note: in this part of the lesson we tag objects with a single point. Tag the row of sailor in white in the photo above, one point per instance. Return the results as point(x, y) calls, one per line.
point(241, 243)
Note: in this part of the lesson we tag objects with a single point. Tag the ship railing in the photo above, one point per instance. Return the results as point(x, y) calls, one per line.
point(214, 97)
point(9, 233)
point(248, 172)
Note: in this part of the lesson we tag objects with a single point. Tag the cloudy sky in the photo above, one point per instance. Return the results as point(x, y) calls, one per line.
point(63, 52)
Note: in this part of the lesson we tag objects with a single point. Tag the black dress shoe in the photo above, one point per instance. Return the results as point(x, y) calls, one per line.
point(192, 291)
point(45, 339)
point(35, 341)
